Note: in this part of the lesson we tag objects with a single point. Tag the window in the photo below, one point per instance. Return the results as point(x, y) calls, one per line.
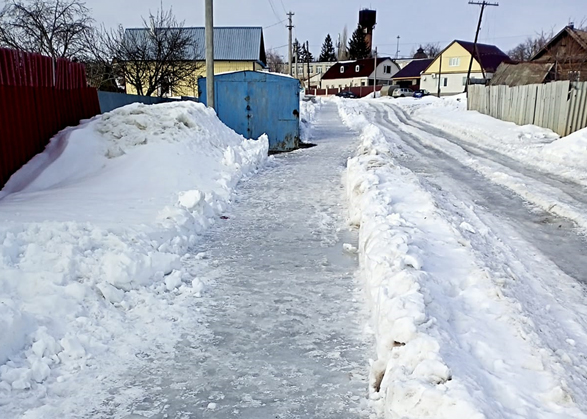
point(445, 81)
point(387, 69)
point(464, 81)
point(357, 68)
point(318, 69)
point(454, 62)
point(363, 83)
point(311, 69)
point(342, 69)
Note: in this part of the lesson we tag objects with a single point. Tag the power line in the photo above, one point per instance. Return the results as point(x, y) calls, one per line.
point(273, 8)
point(283, 5)
point(275, 24)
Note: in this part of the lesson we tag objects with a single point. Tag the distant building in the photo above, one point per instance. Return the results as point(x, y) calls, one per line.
point(451, 77)
point(359, 73)
point(235, 49)
point(567, 50)
point(410, 75)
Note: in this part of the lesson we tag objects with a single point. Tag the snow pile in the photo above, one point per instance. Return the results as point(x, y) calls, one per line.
point(309, 107)
point(449, 344)
point(95, 235)
point(530, 144)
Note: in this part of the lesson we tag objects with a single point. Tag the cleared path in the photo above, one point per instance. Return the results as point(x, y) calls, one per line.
point(281, 331)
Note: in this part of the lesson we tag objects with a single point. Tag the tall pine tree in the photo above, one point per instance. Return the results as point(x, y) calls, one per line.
point(327, 54)
point(357, 46)
point(305, 55)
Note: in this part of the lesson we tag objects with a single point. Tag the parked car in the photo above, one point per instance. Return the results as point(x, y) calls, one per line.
point(421, 93)
point(402, 92)
point(347, 94)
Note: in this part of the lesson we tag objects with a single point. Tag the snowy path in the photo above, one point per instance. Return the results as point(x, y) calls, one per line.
point(556, 237)
point(279, 332)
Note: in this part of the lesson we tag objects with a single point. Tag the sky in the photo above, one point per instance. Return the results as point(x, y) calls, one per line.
point(415, 21)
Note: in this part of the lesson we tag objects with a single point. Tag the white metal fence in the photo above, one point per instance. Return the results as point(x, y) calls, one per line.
point(560, 106)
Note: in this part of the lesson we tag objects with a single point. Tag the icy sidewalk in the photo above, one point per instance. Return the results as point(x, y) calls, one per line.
point(278, 335)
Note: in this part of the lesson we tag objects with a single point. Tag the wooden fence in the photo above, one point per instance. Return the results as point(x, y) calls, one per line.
point(39, 97)
point(560, 106)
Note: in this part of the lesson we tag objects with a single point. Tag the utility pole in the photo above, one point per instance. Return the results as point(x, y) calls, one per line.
point(290, 27)
point(375, 76)
point(475, 52)
point(397, 49)
point(209, 54)
point(439, 74)
point(308, 62)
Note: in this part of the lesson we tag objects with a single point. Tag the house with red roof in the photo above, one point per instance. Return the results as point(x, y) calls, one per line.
point(448, 71)
point(345, 74)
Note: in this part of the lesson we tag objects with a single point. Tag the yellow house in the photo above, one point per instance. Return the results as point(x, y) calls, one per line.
point(448, 70)
point(235, 49)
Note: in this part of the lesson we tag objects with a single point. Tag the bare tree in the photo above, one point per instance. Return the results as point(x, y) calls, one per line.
point(524, 51)
point(56, 28)
point(342, 51)
point(160, 58)
point(432, 49)
point(275, 61)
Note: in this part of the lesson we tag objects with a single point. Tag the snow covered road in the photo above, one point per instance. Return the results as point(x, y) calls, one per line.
point(499, 281)
point(279, 333)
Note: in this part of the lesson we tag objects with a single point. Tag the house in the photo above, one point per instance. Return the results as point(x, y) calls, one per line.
point(519, 74)
point(316, 71)
point(410, 75)
point(359, 73)
point(567, 50)
point(235, 49)
point(448, 70)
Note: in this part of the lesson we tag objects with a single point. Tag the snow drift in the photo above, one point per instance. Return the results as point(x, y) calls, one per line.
point(94, 232)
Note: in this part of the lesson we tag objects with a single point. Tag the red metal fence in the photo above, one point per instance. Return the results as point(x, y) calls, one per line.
point(360, 91)
point(39, 97)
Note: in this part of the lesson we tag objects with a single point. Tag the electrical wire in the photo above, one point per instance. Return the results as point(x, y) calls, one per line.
point(275, 24)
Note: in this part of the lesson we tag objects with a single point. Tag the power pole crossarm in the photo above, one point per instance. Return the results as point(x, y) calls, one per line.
point(475, 52)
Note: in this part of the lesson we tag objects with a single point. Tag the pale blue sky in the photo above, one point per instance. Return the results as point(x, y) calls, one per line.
point(415, 21)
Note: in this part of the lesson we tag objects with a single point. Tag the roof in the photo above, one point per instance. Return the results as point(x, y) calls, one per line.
point(578, 35)
point(488, 56)
point(366, 68)
point(231, 43)
point(413, 69)
point(521, 74)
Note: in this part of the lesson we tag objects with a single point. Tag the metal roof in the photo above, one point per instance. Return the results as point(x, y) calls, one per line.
point(414, 69)
point(231, 43)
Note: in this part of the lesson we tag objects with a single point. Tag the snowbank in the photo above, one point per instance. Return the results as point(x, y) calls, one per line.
point(530, 144)
point(95, 233)
point(448, 343)
point(309, 107)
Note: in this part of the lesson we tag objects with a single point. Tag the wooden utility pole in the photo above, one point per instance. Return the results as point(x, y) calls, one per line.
point(397, 49)
point(290, 27)
point(475, 52)
point(209, 54)
point(439, 74)
point(375, 75)
point(308, 62)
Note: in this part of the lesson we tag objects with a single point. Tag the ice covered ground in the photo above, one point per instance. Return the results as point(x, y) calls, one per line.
point(472, 319)
point(94, 235)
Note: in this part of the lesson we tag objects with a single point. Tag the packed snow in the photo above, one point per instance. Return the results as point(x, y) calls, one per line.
point(94, 231)
point(470, 321)
point(113, 241)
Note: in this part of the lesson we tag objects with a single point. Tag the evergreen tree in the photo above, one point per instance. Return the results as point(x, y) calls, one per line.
point(357, 46)
point(327, 54)
point(305, 55)
point(296, 51)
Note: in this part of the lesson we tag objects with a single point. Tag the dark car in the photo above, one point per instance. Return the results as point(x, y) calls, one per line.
point(347, 94)
point(421, 93)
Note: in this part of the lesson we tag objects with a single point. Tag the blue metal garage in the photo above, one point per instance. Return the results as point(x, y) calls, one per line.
point(254, 103)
